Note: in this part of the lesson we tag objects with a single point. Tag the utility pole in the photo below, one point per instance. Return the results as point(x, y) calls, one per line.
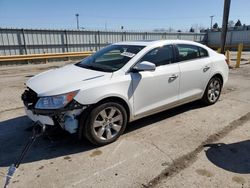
point(211, 17)
point(224, 24)
point(77, 21)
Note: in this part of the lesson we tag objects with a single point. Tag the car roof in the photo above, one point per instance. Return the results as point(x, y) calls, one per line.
point(153, 42)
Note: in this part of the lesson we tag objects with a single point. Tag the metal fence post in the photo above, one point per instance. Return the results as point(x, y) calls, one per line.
point(1, 35)
point(99, 41)
point(24, 42)
point(66, 40)
point(95, 42)
point(125, 36)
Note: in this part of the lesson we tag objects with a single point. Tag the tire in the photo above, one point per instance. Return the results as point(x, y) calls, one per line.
point(213, 91)
point(105, 123)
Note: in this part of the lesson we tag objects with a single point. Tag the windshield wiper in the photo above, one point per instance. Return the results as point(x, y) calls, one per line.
point(92, 67)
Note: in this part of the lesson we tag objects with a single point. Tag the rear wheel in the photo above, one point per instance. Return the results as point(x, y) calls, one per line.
point(105, 123)
point(213, 91)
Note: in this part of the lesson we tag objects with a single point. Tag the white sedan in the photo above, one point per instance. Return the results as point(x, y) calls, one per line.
point(123, 82)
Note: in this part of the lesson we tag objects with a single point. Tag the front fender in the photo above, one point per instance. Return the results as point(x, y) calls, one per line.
point(121, 88)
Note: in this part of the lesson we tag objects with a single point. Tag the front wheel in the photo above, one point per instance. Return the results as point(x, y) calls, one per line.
point(105, 123)
point(213, 91)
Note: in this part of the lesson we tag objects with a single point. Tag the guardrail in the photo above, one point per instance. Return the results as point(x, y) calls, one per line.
point(45, 56)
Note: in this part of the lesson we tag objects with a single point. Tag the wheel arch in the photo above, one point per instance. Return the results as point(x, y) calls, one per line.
point(85, 113)
point(218, 75)
point(205, 95)
point(118, 100)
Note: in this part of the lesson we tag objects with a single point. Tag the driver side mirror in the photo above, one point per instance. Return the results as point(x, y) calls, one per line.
point(144, 66)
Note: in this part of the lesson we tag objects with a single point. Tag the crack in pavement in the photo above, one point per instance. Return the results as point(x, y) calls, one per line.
point(162, 151)
point(11, 109)
point(187, 160)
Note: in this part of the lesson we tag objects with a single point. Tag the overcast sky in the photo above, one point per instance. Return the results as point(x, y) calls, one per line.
point(132, 14)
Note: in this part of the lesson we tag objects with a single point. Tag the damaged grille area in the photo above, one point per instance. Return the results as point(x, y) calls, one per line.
point(29, 98)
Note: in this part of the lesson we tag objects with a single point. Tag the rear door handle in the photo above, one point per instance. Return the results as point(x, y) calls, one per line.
point(206, 68)
point(172, 77)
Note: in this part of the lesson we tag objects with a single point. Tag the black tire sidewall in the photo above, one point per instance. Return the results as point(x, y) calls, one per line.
point(206, 97)
point(91, 118)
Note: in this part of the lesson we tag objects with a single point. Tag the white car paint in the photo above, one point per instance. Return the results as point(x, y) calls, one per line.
point(146, 92)
point(153, 89)
point(63, 80)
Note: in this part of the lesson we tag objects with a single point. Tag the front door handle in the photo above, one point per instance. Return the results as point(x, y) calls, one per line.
point(206, 68)
point(172, 77)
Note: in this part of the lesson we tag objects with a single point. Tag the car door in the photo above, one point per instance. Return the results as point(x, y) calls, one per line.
point(195, 66)
point(155, 90)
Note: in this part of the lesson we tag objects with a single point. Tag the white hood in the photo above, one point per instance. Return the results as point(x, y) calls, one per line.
point(63, 80)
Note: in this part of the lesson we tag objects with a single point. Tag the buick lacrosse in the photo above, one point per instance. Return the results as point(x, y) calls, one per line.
point(123, 82)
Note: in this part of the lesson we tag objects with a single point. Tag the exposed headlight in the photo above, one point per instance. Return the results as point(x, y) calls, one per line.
point(55, 102)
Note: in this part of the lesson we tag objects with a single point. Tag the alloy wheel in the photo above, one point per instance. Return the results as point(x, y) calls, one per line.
point(108, 123)
point(214, 89)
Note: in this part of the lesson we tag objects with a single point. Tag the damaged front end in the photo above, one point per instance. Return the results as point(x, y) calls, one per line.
point(60, 110)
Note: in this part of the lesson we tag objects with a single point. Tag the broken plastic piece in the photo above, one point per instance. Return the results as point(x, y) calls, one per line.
point(9, 175)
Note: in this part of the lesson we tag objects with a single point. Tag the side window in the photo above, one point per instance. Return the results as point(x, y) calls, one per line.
point(203, 52)
point(160, 56)
point(187, 52)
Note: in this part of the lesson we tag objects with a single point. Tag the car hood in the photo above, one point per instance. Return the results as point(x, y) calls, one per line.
point(63, 80)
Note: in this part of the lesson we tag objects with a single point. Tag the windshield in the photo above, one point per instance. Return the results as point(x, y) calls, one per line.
point(110, 58)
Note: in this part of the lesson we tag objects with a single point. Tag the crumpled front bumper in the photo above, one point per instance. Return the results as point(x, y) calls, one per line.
point(46, 120)
point(66, 117)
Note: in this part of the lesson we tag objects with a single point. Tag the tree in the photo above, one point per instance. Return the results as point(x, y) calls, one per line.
point(191, 30)
point(238, 24)
point(179, 31)
point(215, 26)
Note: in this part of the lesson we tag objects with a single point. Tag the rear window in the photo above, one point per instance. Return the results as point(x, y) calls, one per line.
point(189, 52)
point(203, 52)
